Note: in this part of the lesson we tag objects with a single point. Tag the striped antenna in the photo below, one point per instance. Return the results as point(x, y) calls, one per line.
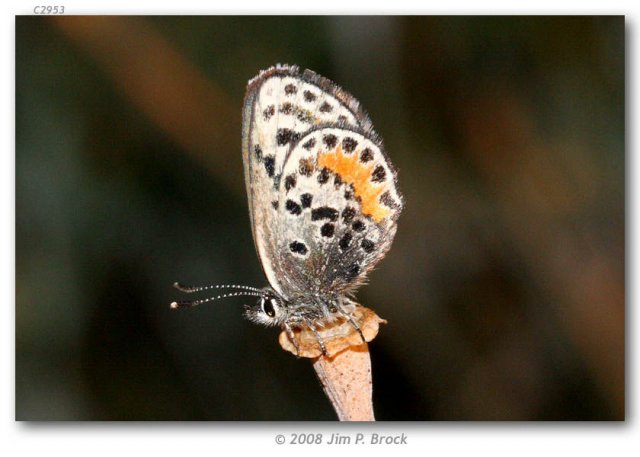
point(191, 303)
point(190, 289)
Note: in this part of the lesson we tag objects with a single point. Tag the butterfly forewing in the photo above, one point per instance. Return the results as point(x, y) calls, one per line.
point(322, 195)
point(281, 105)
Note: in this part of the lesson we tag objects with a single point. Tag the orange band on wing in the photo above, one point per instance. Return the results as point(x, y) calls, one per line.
point(352, 171)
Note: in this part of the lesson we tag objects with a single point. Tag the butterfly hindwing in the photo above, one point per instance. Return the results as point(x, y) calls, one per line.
point(338, 205)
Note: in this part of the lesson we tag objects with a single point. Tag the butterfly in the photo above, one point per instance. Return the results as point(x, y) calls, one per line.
point(323, 200)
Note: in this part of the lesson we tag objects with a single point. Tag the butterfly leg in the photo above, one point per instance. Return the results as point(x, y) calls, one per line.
point(292, 338)
point(352, 322)
point(318, 337)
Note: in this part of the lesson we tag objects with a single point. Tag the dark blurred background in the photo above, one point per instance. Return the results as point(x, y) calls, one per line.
point(504, 290)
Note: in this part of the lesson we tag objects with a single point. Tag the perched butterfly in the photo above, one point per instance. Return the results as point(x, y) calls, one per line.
point(323, 199)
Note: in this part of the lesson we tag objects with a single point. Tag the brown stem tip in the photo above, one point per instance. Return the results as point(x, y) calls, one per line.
point(346, 380)
point(345, 373)
point(336, 337)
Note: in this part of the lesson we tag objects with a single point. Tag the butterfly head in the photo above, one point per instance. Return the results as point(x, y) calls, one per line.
point(269, 309)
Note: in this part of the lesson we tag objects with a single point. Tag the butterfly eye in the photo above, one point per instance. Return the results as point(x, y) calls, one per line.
point(267, 307)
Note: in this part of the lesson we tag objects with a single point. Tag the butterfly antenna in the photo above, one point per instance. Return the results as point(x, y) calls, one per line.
point(192, 303)
point(190, 289)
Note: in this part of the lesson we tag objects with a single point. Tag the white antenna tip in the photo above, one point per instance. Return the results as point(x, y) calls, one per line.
point(173, 305)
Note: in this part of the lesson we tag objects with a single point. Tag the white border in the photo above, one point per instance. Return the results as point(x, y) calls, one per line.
point(100, 439)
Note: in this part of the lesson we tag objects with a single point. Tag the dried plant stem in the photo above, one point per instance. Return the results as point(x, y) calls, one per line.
point(345, 373)
point(346, 379)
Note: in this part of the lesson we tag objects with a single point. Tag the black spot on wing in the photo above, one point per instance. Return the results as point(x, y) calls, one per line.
point(309, 96)
point(326, 108)
point(269, 165)
point(366, 155)
point(345, 241)
point(379, 174)
point(324, 212)
point(286, 108)
point(347, 214)
point(290, 182)
point(298, 247)
point(323, 176)
point(368, 246)
point(358, 225)
point(349, 144)
point(305, 200)
point(268, 112)
point(351, 271)
point(311, 142)
point(293, 207)
point(327, 230)
point(257, 150)
point(305, 167)
point(330, 140)
point(290, 89)
point(387, 200)
point(285, 136)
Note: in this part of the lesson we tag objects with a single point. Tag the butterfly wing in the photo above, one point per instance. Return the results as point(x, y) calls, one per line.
point(338, 206)
point(281, 105)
